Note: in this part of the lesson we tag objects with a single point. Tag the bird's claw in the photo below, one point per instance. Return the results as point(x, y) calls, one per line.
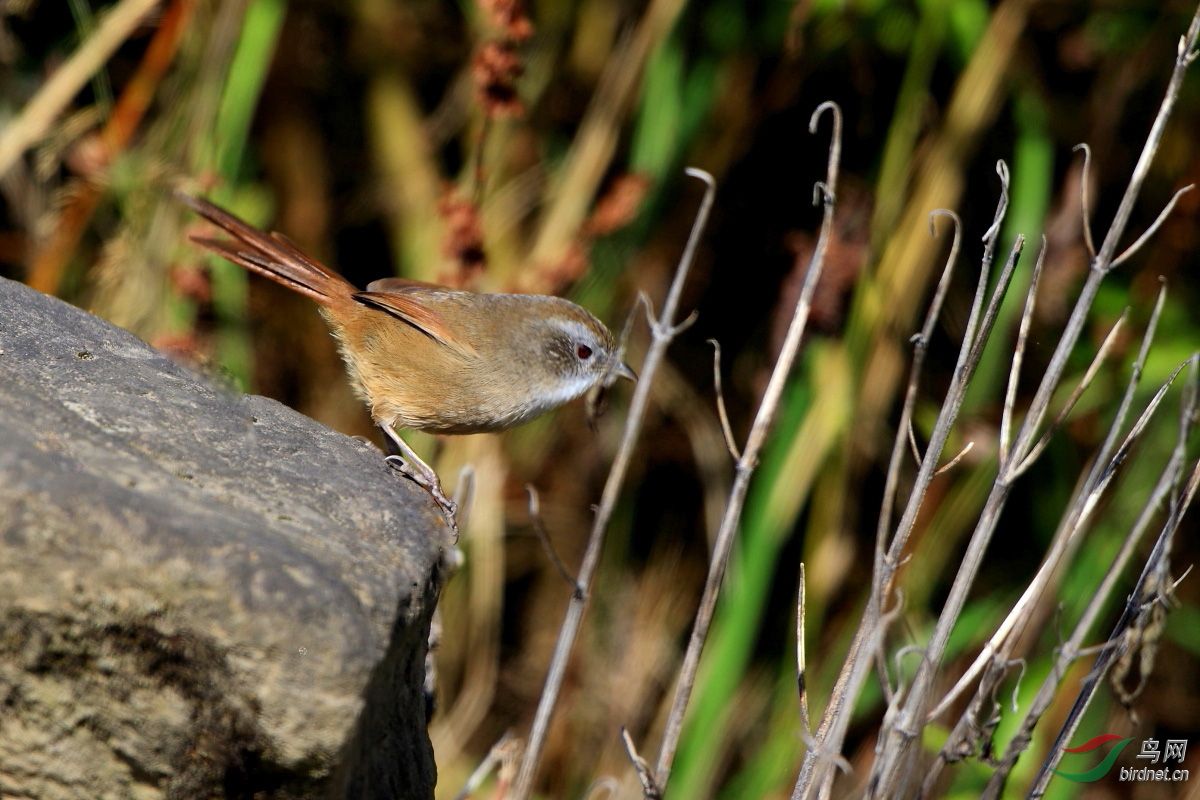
point(429, 483)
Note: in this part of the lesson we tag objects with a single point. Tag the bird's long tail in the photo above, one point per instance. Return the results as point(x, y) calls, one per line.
point(269, 254)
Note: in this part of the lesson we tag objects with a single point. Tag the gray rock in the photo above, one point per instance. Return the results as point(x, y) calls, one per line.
point(202, 594)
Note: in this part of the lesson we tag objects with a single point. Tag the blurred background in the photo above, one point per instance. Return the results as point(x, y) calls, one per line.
point(540, 146)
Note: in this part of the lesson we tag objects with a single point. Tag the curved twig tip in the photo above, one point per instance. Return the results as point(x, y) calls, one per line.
point(1085, 180)
point(704, 175)
point(1001, 207)
point(821, 193)
point(947, 213)
point(1002, 171)
point(834, 109)
point(722, 412)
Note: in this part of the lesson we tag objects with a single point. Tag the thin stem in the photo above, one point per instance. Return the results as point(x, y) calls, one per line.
point(895, 751)
point(1116, 640)
point(920, 344)
point(824, 749)
point(872, 627)
point(663, 331)
point(1016, 471)
point(1068, 529)
point(499, 752)
point(1014, 373)
point(949, 465)
point(801, 659)
point(1145, 237)
point(1071, 649)
point(650, 789)
point(1080, 514)
point(749, 459)
point(993, 307)
point(1085, 182)
point(1185, 55)
point(539, 528)
point(726, 429)
point(815, 772)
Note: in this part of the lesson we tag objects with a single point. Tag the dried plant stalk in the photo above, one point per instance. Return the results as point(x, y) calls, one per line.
point(824, 192)
point(895, 771)
point(1168, 482)
point(663, 331)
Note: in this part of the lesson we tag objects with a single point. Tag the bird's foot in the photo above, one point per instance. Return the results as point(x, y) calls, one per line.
point(428, 481)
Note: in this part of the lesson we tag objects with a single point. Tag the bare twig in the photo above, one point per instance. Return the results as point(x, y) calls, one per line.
point(1186, 572)
point(826, 744)
point(650, 789)
point(1017, 470)
point(504, 749)
point(597, 399)
point(1067, 535)
point(535, 519)
point(816, 775)
point(1085, 182)
point(949, 465)
point(663, 331)
point(998, 292)
point(824, 192)
point(611, 375)
point(1145, 237)
point(721, 412)
point(1014, 373)
point(1168, 481)
point(912, 444)
point(1079, 515)
point(801, 660)
point(40, 112)
point(1185, 55)
point(920, 343)
point(1116, 641)
point(892, 770)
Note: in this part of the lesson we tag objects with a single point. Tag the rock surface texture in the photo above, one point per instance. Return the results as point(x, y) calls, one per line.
point(202, 594)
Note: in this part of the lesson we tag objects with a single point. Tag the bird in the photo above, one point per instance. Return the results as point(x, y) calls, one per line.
point(430, 358)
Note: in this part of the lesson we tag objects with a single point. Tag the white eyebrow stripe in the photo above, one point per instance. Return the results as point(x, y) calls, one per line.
point(576, 331)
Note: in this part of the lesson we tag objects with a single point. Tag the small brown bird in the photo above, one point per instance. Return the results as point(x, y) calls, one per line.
point(432, 358)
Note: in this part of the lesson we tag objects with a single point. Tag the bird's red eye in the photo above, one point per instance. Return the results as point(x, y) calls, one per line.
point(584, 352)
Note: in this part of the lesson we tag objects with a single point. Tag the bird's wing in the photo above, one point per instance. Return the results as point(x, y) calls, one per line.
point(404, 285)
point(408, 305)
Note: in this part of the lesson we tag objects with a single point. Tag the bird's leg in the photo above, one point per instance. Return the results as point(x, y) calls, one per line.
point(410, 464)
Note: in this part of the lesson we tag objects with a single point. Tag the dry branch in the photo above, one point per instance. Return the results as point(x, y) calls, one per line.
point(1167, 483)
point(824, 192)
point(663, 331)
point(895, 770)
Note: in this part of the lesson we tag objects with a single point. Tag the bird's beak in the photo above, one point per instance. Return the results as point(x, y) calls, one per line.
point(623, 370)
